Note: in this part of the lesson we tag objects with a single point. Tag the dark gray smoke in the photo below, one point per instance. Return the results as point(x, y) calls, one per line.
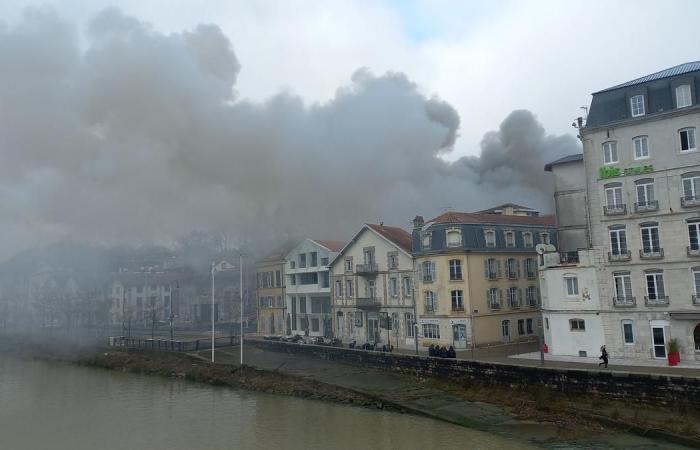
point(123, 134)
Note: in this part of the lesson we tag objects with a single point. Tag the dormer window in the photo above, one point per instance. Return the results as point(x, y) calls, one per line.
point(490, 236)
point(427, 239)
point(683, 97)
point(544, 238)
point(510, 238)
point(610, 152)
point(454, 237)
point(527, 239)
point(637, 105)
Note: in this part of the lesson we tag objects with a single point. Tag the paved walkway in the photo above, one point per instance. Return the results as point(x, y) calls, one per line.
point(689, 368)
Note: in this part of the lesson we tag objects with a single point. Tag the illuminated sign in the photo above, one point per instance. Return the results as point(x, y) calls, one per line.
point(612, 172)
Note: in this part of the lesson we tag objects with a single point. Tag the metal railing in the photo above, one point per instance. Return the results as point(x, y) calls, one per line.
point(492, 276)
point(514, 304)
point(569, 258)
point(494, 306)
point(656, 301)
point(367, 302)
point(624, 301)
point(651, 254)
point(690, 200)
point(366, 269)
point(167, 345)
point(651, 205)
point(622, 256)
point(615, 210)
point(457, 308)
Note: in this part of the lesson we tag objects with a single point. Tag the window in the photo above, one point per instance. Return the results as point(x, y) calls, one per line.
point(627, 332)
point(645, 192)
point(510, 239)
point(292, 264)
point(314, 259)
point(492, 298)
point(694, 235)
point(490, 236)
point(513, 297)
point(302, 260)
point(637, 105)
point(544, 238)
point(393, 287)
point(683, 97)
point(325, 279)
point(370, 289)
point(293, 280)
point(338, 288)
point(610, 152)
point(314, 324)
point(546, 322)
point(393, 259)
point(641, 147)
point(455, 269)
point(691, 186)
point(410, 324)
point(457, 300)
point(358, 319)
point(521, 326)
point(513, 268)
point(427, 238)
point(618, 242)
point(324, 261)
point(348, 264)
point(278, 278)
point(454, 238)
point(532, 296)
point(368, 256)
point(613, 195)
point(431, 331)
point(650, 239)
point(696, 282)
point(491, 269)
point(571, 285)
point(529, 326)
point(527, 239)
point(430, 301)
point(302, 305)
point(577, 325)
point(428, 271)
point(316, 307)
point(655, 286)
point(348, 288)
point(530, 268)
point(687, 136)
point(407, 287)
point(623, 286)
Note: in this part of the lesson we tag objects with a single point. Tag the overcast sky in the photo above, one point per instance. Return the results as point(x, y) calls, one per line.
point(486, 59)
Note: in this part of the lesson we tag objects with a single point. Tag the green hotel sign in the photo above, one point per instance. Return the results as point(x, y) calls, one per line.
point(612, 172)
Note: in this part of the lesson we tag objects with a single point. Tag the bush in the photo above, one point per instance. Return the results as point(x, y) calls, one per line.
point(673, 346)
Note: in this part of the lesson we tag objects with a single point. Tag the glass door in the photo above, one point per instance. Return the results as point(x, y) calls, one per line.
point(659, 342)
point(505, 331)
point(372, 330)
point(459, 335)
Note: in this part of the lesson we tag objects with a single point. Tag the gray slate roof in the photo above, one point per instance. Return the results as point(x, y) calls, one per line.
point(564, 160)
point(666, 73)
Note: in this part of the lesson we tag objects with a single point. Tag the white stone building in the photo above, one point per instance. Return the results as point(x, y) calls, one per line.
point(308, 292)
point(372, 282)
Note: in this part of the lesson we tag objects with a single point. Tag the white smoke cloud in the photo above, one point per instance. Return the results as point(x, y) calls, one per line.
point(128, 135)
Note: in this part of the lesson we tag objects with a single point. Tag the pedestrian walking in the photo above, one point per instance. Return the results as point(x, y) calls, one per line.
point(604, 356)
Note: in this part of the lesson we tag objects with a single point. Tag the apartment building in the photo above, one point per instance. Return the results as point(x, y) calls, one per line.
point(270, 292)
point(642, 171)
point(372, 288)
point(308, 291)
point(477, 276)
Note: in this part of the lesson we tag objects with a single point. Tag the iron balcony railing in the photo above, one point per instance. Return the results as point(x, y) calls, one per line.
point(620, 256)
point(690, 200)
point(626, 301)
point(615, 210)
point(366, 269)
point(512, 275)
point(428, 278)
point(651, 253)
point(651, 205)
point(494, 305)
point(692, 251)
point(515, 304)
point(492, 276)
point(457, 308)
point(659, 300)
point(428, 309)
point(533, 302)
point(367, 302)
point(569, 258)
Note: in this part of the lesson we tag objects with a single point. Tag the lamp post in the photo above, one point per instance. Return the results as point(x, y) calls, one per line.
point(213, 270)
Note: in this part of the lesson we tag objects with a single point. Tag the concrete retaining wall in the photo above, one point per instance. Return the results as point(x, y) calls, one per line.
point(646, 388)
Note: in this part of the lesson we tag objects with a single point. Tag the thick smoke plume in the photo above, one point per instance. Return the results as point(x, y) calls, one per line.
point(123, 134)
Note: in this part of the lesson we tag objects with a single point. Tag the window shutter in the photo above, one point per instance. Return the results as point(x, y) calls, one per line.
point(517, 264)
point(488, 298)
point(486, 268)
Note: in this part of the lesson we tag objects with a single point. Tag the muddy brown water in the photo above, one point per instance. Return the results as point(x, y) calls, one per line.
point(57, 406)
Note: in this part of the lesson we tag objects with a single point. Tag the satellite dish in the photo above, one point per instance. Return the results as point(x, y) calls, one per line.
point(541, 249)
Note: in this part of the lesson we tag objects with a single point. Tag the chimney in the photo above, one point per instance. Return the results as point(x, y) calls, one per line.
point(579, 120)
point(418, 222)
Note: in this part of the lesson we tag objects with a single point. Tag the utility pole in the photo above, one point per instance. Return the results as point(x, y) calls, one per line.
point(213, 269)
point(240, 293)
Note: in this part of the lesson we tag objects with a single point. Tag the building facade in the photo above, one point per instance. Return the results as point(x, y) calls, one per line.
point(642, 167)
point(372, 286)
point(308, 291)
point(270, 293)
point(477, 277)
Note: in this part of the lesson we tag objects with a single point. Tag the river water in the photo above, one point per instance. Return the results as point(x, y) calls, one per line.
point(59, 406)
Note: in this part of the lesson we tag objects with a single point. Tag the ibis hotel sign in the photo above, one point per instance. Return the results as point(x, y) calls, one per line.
point(612, 172)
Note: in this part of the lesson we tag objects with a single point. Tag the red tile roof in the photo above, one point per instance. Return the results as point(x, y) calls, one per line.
point(397, 235)
point(496, 219)
point(334, 246)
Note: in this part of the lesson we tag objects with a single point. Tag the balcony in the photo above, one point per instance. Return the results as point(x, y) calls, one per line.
point(642, 207)
point(533, 302)
point(491, 276)
point(689, 201)
point(692, 251)
point(494, 306)
point(512, 275)
point(366, 269)
point(624, 302)
point(427, 309)
point(615, 210)
point(656, 301)
point(428, 278)
point(531, 275)
point(696, 300)
point(651, 253)
point(514, 304)
point(619, 257)
point(368, 302)
point(457, 308)
point(569, 258)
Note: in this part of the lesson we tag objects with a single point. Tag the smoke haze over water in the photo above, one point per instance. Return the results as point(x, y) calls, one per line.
point(122, 134)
